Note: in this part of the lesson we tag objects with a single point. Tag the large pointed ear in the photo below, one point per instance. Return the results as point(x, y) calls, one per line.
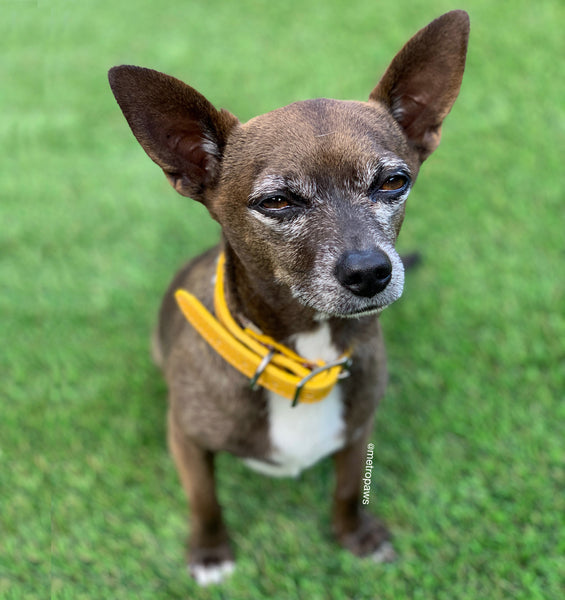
point(177, 127)
point(423, 80)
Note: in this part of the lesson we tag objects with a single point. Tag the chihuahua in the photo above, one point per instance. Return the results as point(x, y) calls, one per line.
point(270, 342)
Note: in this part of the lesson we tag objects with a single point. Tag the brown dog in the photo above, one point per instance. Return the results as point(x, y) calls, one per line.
point(310, 198)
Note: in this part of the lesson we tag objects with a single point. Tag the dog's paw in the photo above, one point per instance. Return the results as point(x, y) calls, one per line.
point(384, 553)
point(208, 574)
point(211, 565)
point(370, 538)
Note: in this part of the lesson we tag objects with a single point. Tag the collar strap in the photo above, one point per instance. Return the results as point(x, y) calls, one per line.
point(259, 357)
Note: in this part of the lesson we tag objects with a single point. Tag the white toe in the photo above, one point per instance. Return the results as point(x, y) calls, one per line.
point(207, 575)
point(385, 553)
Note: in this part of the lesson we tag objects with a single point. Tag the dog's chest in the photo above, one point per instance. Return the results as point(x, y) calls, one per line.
point(301, 436)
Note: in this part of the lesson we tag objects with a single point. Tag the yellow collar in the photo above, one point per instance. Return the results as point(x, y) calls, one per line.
point(259, 357)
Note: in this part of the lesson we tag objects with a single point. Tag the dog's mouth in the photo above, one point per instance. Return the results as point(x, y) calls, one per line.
point(370, 311)
point(342, 305)
point(366, 312)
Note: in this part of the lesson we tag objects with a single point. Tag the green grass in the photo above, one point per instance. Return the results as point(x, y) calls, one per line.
point(471, 437)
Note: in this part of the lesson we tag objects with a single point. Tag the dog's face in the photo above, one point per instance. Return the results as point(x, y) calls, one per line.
point(312, 196)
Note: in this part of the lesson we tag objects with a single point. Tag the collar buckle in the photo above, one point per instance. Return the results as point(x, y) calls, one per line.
point(344, 361)
point(261, 367)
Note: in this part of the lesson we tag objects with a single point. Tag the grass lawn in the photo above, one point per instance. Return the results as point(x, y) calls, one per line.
point(470, 441)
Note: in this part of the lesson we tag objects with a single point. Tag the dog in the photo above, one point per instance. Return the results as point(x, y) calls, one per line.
point(270, 342)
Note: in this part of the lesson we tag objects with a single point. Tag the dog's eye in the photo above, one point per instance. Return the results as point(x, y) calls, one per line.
point(280, 205)
point(394, 183)
point(274, 203)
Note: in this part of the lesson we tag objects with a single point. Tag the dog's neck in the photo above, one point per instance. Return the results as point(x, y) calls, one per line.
point(254, 298)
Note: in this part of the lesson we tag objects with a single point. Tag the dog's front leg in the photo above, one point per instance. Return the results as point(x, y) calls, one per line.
point(210, 558)
point(356, 529)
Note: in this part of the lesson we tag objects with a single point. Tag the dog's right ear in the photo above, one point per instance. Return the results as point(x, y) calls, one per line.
point(178, 128)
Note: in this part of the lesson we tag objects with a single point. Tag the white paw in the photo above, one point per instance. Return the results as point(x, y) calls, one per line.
point(206, 575)
point(384, 554)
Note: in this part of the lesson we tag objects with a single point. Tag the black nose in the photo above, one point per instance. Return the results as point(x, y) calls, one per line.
point(364, 273)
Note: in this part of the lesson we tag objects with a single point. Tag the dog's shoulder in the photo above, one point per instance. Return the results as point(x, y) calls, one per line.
point(197, 277)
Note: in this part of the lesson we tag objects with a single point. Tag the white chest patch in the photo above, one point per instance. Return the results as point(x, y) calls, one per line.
point(301, 436)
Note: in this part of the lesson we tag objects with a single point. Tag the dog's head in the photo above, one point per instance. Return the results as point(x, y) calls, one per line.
point(312, 195)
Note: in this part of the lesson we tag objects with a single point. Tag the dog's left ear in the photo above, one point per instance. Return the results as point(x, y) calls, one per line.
point(423, 80)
